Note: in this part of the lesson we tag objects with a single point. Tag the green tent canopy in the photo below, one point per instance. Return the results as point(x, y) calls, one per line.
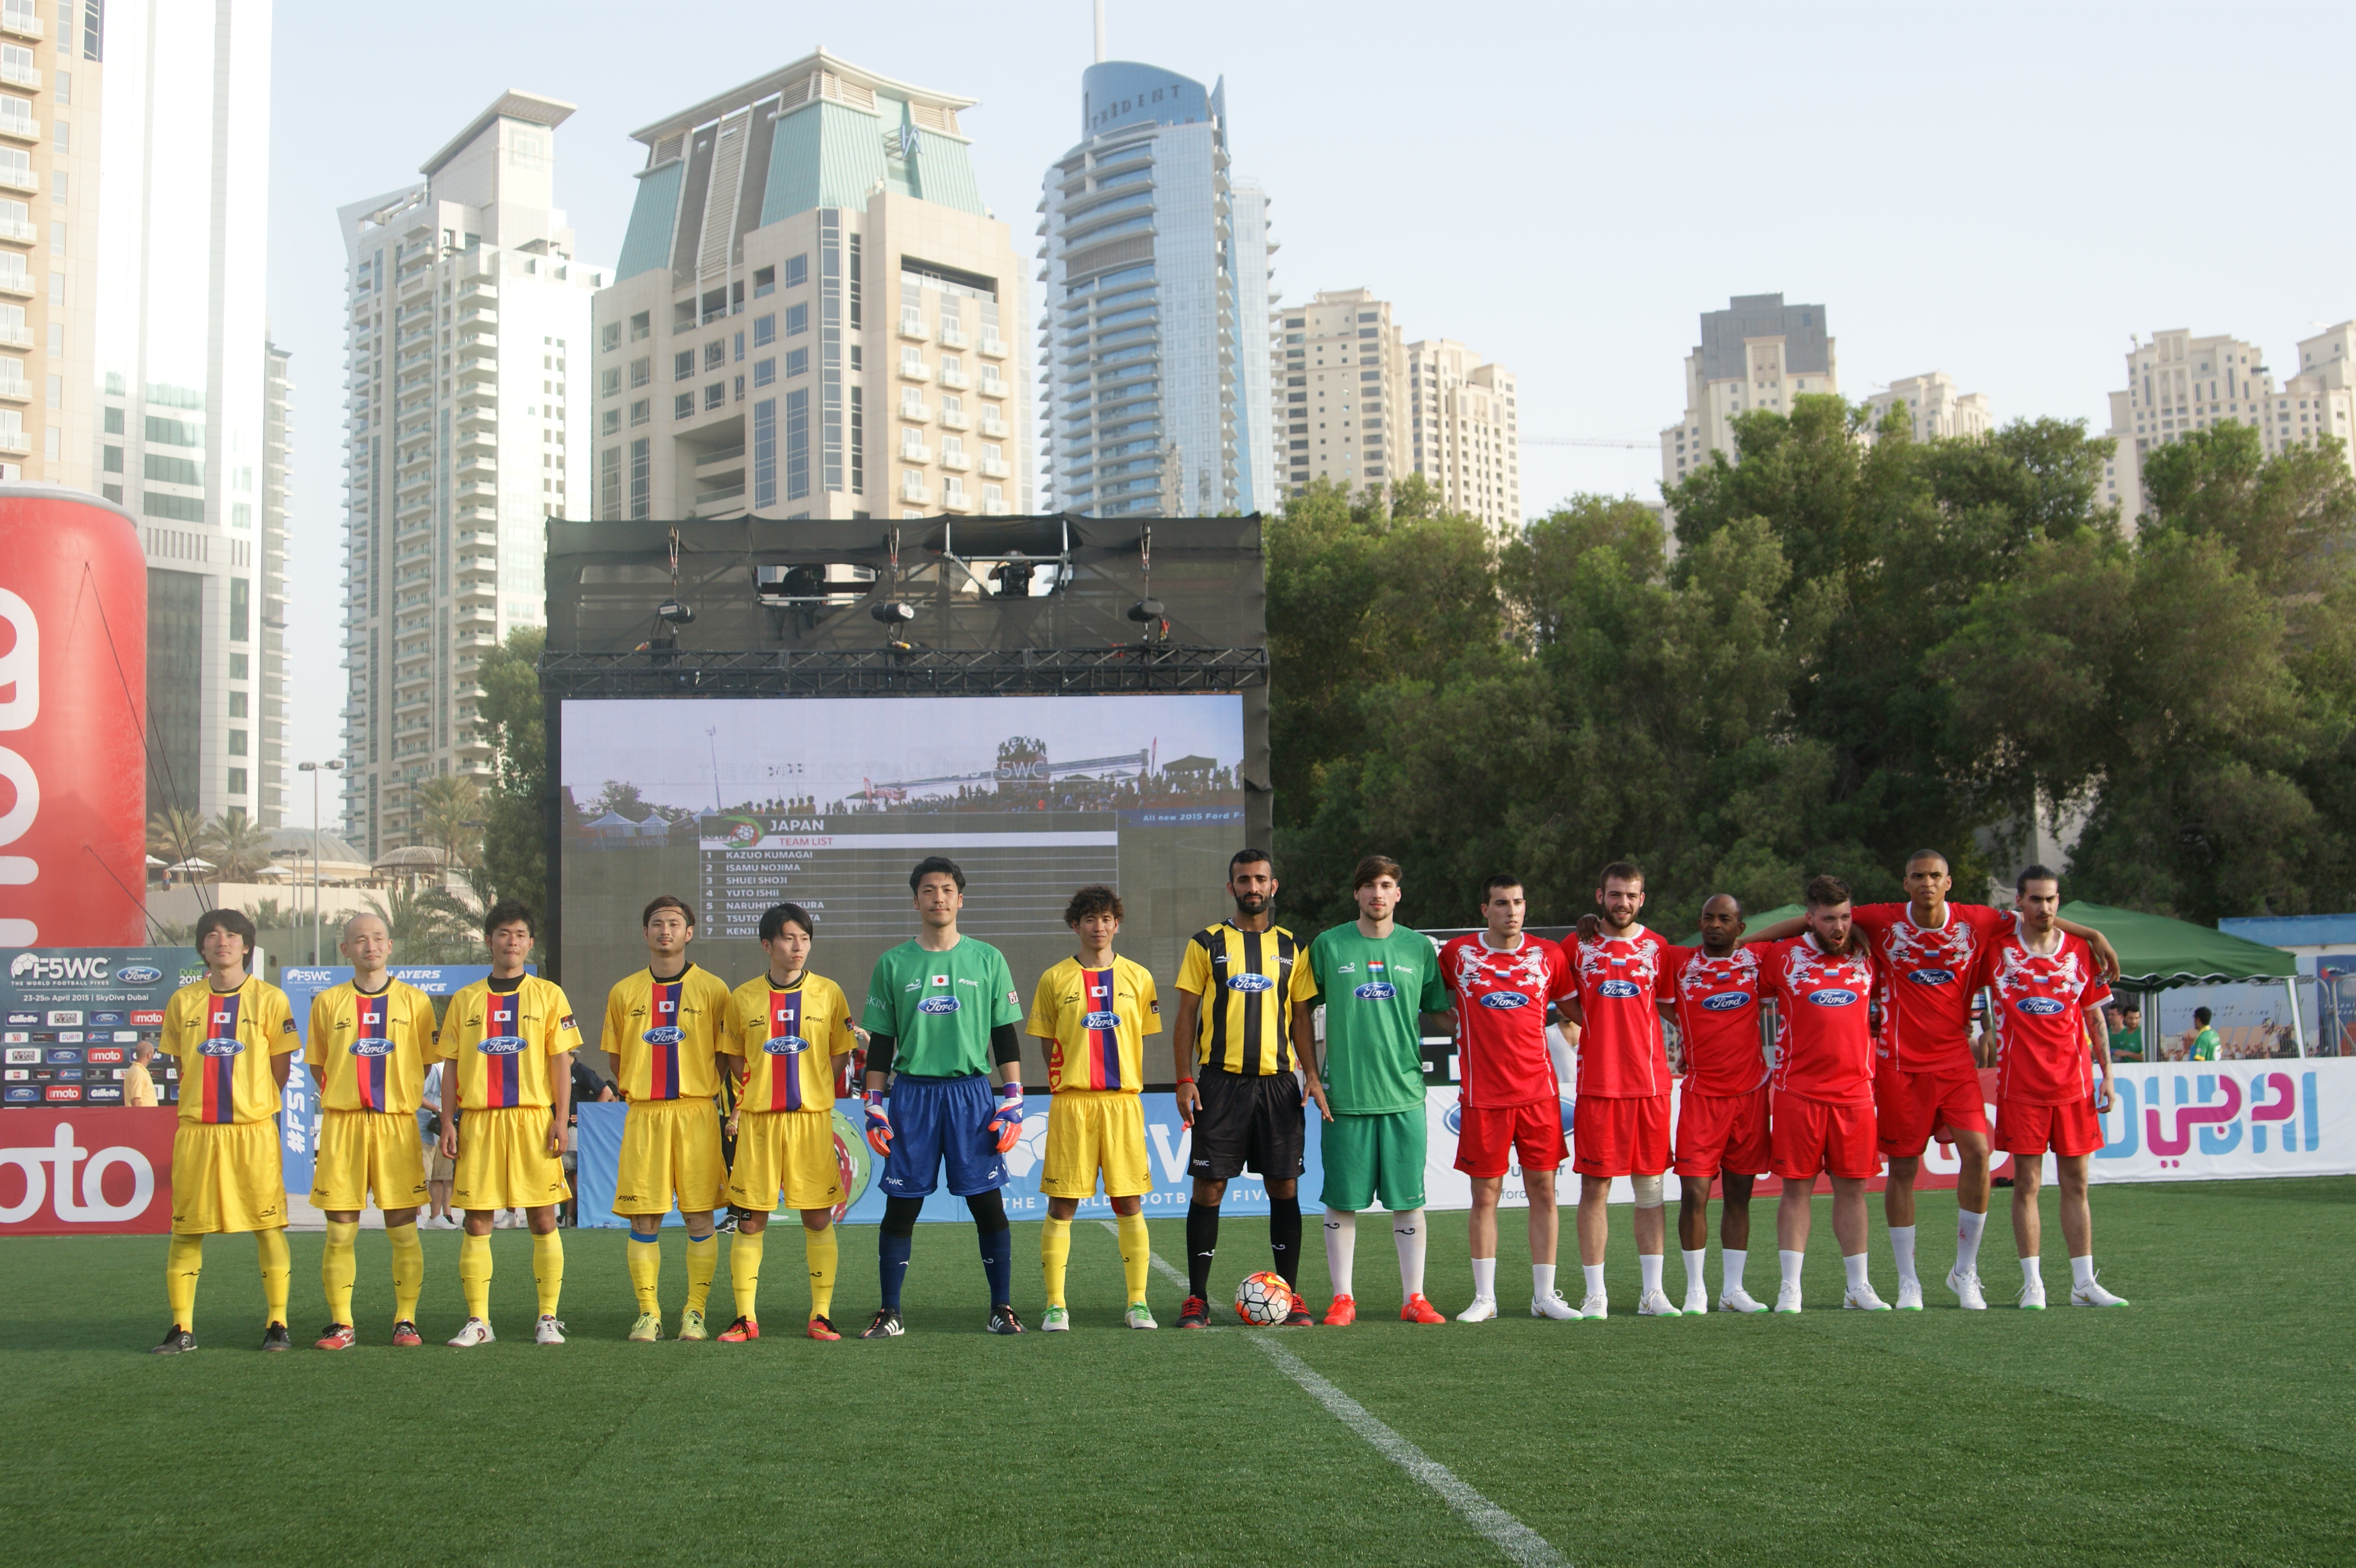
point(2156, 953)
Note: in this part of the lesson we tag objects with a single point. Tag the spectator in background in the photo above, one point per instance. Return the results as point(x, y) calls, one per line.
point(440, 1169)
point(2203, 1045)
point(138, 1083)
point(2127, 1033)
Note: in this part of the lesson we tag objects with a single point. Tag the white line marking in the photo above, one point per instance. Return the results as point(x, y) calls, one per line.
point(1509, 1535)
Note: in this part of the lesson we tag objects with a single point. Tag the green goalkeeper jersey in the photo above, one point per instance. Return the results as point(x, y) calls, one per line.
point(1376, 991)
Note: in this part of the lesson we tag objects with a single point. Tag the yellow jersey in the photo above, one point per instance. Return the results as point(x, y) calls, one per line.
point(369, 1053)
point(1095, 1022)
point(225, 1041)
point(500, 1043)
point(788, 1040)
point(1249, 982)
point(664, 1035)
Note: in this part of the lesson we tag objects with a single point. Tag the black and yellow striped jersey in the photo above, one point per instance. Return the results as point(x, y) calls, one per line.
point(1249, 981)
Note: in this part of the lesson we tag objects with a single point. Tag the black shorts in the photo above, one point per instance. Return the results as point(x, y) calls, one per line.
point(1246, 1119)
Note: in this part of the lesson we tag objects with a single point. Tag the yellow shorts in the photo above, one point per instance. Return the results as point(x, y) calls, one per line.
point(504, 1162)
point(670, 1147)
point(789, 1153)
point(1091, 1130)
point(226, 1176)
point(362, 1152)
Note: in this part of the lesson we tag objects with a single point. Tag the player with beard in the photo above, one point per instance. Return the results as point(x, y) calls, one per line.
point(1722, 1119)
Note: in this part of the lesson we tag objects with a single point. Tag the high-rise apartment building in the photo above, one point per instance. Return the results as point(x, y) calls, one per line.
point(814, 314)
point(1757, 354)
point(463, 308)
point(2177, 384)
point(51, 80)
point(181, 370)
point(1933, 407)
point(1464, 431)
point(277, 472)
point(1156, 317)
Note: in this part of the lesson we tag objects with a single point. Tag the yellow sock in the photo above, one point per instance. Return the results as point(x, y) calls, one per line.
point(820, 1248)
point(1055, 1254)
point(182, 1264)
point(646, 1270)
point(744, 1273)
point(548, 1270)
point(703, 1263)
point(475, 1275)
point(278, 1271)
point(1135, 1253)
point(408, 1270)
point(339, 1263)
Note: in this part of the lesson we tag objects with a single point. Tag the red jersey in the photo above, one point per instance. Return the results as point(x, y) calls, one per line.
point(1822, 1049)
point(1718, 1017)
point(2041, 1024)
point(1622, 1054)
point(1501, 1005)
point(1927, 986)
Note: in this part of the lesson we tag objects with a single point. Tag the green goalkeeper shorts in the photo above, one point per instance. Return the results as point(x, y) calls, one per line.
point(1366, 1156)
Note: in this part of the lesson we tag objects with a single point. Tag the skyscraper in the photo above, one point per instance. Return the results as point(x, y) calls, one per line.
point(814, 314)
point(2177, 384)
point(51, 76)
point(1757, 354)
point(463, 307)
point(1156, 320)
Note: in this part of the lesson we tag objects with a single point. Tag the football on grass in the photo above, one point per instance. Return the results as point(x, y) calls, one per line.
point(1263, 1298)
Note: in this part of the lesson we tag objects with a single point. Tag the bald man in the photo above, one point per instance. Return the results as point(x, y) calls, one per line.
point(371, 1040)
point(1714, 1000)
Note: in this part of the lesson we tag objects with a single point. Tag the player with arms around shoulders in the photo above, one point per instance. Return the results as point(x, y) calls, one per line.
point(1502, 979)
point(1377, 979)
point(942, 1010)
point(506, 1044)
point(789, 1030)
point(662, 1031)
point(1240, 1087)
point(233, 1033)
point(2049, 1005)
point(371, 1040)
point(1095, 1010)
point(1722, 1121)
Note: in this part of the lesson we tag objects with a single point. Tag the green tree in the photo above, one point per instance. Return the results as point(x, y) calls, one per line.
point(236, 845)
point(174, 834)
point(514, 836)
point(427, 925)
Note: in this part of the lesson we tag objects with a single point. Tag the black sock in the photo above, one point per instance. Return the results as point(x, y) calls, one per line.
point(1202, 1246)
point(1284, 1238)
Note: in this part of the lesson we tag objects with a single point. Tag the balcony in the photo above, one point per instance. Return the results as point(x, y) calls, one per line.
point(996, 468)
point(957, 460)
point(954, 419)
point(956, 498)
point(25, 76)
point(24, 127)
point(22, 20)
point(20, 179)
point(16, 337)
point(952, 335)
point(914, 369)
point(992, 426)
point(916, 410)
point(994, 508)
point(911, 324)
point(914, 452)
point(21, 284)
point(992, 385)
point(913, 491)
point(954, 376)
point(993, 347)
point(477, 344)
point(16, 388)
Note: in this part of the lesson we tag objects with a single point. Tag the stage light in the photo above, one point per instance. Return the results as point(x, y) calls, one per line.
point(894, 612)
point(1146, 610)
point(676, 613)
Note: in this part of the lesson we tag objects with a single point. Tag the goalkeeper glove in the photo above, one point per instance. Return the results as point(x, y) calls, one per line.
point(879, 1126)
point(1006, 1123)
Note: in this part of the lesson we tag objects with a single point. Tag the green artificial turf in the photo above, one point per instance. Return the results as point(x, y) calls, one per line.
point(2208, 1423)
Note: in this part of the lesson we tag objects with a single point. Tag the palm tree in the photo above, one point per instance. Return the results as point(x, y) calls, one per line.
point(237, 846)
point(449, 812)
point(426, 924)
point(174, 834)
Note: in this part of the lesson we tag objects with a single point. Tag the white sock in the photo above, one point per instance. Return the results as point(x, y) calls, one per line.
point(1791, 1262)
point(1855, 1264)
point(1541, 1281)
point(1594, 1272)
point(1733, 1261)
point(1968, 1226)
point(1695, 1260)
point(1484, 1279)
point(2029, 1274)
point(1341, 1248)
point(2082, 1271)
point(1407, 1231)
point(1648, 1269)
point(1901, 1242)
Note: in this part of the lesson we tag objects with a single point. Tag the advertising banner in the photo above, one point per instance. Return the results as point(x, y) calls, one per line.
point(75, 1018)
point(2202, 1121)
point(71, 1172)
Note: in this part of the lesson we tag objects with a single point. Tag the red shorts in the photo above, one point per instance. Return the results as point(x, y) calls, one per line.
point(1492, 1134)
point(1620, 1137)
point(2022, 1129)
point(1723, 1132)
point(1909, 1106)
point(1814, 1135)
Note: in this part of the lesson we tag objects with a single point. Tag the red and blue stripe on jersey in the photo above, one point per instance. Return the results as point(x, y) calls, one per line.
point(369, 1019)
point(662, 1057)
point(784, 1071)
point(502, 1072)
point(218, 1078)
point(1097, 997)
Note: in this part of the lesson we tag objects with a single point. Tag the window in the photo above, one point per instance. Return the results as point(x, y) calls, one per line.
point(237, 667)
point(764, 280)
point(765, 330)
point(236, 701)
point(57, 391)
point(714, 396)
point(641, 412)
point(797, 270)
point(683, 406)
point(682, 365)
point(740, 348)
point(237, 740)
point(609, 383)
point(797, 444)
point(765, 371)
point(236, 780)
point(641, 479)
point(613, 422)
point(610, 339)
point(640, 326)
point(110, 459)
point(715, 354)
point(798, 362)
point(642, 370)
point(797, 320)
point(610, 486)
point(240, 609)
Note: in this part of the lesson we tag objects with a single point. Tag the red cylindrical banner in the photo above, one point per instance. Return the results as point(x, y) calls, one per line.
point(73, 719)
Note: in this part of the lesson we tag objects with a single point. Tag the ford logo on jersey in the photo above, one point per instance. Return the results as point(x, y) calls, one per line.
point(785, 1044)
point(1376, 991)
point(661, 1034)
point(501, 1045)
point(1620, 988)
point(2039, 1006)
point(1249, 982)
point(1726, 1001)
point(138, 974)
point(1832, 996)
point(218, 1046)
point(1931, 976)
point(1103, 1020)
point(937, 1005)
point(371, 1047)
point(1504, 1000)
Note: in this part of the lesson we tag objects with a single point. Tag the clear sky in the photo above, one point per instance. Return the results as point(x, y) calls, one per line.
point(2005, 192)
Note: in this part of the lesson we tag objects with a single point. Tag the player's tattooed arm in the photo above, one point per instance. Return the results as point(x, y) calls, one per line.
point(1789, 926)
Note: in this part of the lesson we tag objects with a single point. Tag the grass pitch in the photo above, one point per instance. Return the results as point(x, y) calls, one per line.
point(2209, 1423)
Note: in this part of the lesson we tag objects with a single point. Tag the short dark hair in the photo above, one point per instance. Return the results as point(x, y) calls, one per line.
point(932, 864)
point(507, 912)
point(2202, 1015)
point(777, 917)
point(1824, 892)
point(2035, 872)
point(1249, 857)
point(1922, 855)
point(231, 921)
point(1625, 870)
point(1496, 880)
point(1374, 865)
point(1096, 898)
point(665, 901)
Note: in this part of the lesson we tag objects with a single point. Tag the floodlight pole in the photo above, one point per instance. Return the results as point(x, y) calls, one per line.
point(315, 769)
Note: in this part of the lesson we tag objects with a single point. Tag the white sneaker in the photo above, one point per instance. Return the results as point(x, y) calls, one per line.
point(476, 1332)
point(1551, 1304)
point(1483, 1309)
point(1740, 1300)
point(2091, 1293)
point(1860, 1298)
point(1967, 1286)
point(1696, 1302)
point(1656, 1303)
point(549, 1332)
point(1787, 1298)
point(1596, 1305)
point(2032, 1297)
point(1909, 1295)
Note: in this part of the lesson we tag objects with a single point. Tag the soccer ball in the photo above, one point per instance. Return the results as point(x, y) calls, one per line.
point(1263, 1298)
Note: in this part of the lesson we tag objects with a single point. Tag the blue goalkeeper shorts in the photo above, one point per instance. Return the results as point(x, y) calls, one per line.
point(937, 1119)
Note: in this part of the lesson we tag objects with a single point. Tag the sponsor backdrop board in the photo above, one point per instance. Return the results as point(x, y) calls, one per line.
point(72, 1021)
point(71, 1172)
